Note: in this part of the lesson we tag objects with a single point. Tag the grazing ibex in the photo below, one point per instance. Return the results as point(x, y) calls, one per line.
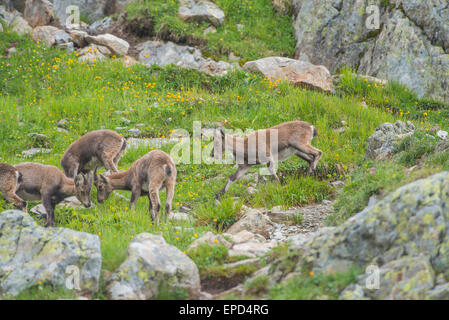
point(94, 149)
point(146, 176)
point(290, 138)
point(49, 184)
point(10, 180)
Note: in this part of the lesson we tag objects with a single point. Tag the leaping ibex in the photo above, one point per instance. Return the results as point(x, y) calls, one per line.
point(291, 138)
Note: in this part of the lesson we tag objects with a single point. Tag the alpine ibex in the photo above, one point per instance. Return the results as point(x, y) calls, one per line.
point(146, 176)
point(94, 149)
point(10, 180)
point(290, 138)
point(49, 184)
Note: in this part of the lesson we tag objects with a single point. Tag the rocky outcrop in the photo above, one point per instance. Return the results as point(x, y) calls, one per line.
point(405, 235)
point(201, 10)
point(254, 221)
point(20, 26)
point(410, 44)
point(404, 278)
point(164, 53)
point(115, 44)
point(243, 243)
point(38, 12)
point(297, 72)
point(153, 265)
point(50, 35)
point(30, 255)
point(211, 239)
point(382, 143)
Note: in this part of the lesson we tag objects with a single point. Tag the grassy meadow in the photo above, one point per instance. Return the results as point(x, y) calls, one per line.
point(39, 86)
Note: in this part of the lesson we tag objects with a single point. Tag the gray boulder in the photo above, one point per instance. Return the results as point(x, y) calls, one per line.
point(201, 10)
point(38, 12)
point(405, 278)
point(253, 221)
point(164, 53)
point(101, 25)
point(93, 53)
point(115, 44)
point(29, 153)
point(31, 254)
point(382, 143)
point(20, 26)
point(153, 264)
point(300, 73)
point(50, 35)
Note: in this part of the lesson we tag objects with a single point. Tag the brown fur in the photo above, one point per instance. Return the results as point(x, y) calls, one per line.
point(94, 149)
point(10, 180)
point(146, 176)
point(293, 138)
point(49, 184)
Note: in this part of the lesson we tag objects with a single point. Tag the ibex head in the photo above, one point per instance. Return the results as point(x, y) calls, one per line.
point(104, 187)
point(83, 188)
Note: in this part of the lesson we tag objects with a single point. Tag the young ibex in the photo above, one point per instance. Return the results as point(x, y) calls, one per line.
point(146, 176)
point(10, 180)
point(94, 149)
point(49, 184)
point(291, 138)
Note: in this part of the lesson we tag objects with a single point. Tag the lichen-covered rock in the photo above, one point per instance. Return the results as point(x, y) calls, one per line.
point(164, 53)
point(152, 264)
point(440, 292)
point(406, 233)
point(30, 254)
point(201, 10)
point(20, 26)
point(382, 143)
point(254, 221)
point(403, 279)
point(115, 44)
point(6, 15)
point(410, 44)
point(297, 72)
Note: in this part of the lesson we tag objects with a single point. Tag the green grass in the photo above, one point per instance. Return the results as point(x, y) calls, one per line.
point(264, 33)
point(313, 286)
point(414, 158)
point(293, 191)
point(222, 215)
